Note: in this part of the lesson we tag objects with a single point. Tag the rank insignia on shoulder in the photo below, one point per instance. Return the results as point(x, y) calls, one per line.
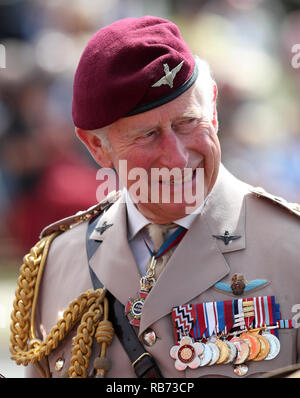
point(297, 207)
point(81, 216)
point(293, 208)
point(239, 285)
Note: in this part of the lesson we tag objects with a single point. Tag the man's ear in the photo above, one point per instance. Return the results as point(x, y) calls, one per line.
point(94, 144)
point(215, 113)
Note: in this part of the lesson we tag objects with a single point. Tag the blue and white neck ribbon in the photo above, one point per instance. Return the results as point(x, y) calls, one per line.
point(172, 241)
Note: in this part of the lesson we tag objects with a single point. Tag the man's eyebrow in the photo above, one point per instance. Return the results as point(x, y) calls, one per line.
point(185, 115)
point(188, 115)
point(142, 130)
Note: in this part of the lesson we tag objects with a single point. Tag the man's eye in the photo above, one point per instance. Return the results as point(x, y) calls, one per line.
point(149, 134)
point(190, 121)
point(145, 136)
point(186, 125)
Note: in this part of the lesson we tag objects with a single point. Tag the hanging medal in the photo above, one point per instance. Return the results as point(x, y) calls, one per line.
point(134, 306)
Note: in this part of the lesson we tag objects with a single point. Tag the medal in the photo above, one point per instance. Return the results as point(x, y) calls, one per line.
point(206, 356)
point(242, 350)
point(254, 344)
point(274, 345)
point(134, 306)
point(186, 354)
point(215, 353)
point(264, 348)
point(224, 351)
point(233, 352)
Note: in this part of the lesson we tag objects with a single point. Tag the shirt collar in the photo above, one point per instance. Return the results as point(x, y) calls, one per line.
point(136, 220)
point(188, 220)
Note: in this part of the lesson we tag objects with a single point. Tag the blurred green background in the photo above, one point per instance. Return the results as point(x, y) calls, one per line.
point(46, 174)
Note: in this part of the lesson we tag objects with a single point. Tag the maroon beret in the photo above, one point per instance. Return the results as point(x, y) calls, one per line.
point(130, 67)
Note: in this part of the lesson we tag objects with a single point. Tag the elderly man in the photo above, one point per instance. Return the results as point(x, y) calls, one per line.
point(145, 284)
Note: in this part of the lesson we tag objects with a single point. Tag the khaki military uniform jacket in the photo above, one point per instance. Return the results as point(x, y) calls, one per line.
point(267, 249)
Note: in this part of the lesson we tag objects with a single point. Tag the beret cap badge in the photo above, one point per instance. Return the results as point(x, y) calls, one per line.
point(169, 75)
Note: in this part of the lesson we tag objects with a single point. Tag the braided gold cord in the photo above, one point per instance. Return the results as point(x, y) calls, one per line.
point(104, 336)
point(105, 332)
point(24, 296)
point(87, 309)
point(37, 350)
point(82, 343)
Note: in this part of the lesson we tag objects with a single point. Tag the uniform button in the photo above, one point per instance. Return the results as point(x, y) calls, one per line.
point(149, 337)
point(59, 364)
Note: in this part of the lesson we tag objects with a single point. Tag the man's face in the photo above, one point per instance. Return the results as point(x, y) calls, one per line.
point(176, 136)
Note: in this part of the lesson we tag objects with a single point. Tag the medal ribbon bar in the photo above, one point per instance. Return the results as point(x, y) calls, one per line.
point(203, 320)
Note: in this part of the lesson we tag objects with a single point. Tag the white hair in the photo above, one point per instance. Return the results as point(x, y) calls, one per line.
point(102, 134)
point(204, 93)
point(204, 86)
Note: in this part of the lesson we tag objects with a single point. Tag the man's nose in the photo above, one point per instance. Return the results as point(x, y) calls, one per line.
point(173, 152)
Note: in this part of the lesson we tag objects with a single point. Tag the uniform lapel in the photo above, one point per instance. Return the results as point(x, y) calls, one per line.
point(198, 261)
point(113, 261)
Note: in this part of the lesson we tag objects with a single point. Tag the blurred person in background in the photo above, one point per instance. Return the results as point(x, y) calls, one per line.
point(172, 278)
point(37, 172)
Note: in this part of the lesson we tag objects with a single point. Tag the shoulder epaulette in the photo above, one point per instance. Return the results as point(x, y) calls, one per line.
point(83, 215)
point(293, 208)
